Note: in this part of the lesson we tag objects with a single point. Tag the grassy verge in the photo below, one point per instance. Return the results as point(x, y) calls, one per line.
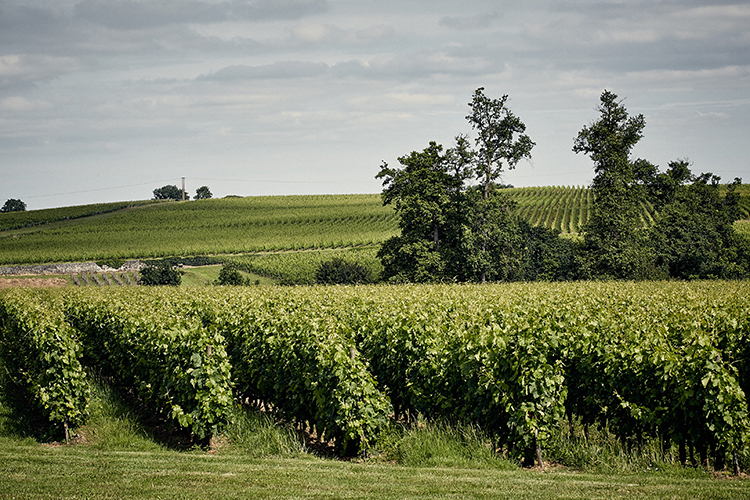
point(117, 458)
point(28, 470)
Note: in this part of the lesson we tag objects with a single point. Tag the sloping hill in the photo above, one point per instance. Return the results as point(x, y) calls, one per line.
point(206, 227)
point(248, 225)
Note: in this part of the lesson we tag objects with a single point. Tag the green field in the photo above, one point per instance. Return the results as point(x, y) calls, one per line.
point(250, 225)
point(670, 362)
point(208, 227)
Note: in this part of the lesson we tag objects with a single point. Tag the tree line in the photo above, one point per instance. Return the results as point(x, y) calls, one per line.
point(458, 224)
point(172, 192)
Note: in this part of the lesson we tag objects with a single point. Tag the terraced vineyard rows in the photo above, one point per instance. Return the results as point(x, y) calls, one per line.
point(227, 226)
point(257, 224)
point(17, 220)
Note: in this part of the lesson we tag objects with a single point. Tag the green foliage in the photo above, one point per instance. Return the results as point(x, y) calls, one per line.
point(691, 235)
point(231, 275)
point(203, 193)
point(452, 231)
point(339, 271)
point(41, 375)
point(300, 268)
point(17, 220)
point(145, 342)
point(13, 205)
point(162, 274)
point(615, 243)
point(300, 359)
point(645, 361)
point(169, 192)
point(113, 263)
point(500, 140)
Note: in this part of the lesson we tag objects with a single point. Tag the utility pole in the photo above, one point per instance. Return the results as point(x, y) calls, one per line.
point(183, 189)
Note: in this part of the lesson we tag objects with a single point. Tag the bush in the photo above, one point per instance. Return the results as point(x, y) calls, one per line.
point(163, 274)
point(339, 271)
point(230, 275)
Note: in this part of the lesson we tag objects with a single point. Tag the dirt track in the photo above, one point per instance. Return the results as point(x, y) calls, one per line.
point(32, 282)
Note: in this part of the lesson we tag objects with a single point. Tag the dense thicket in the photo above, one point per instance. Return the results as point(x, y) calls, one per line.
point(454, 230)
point(692, 235)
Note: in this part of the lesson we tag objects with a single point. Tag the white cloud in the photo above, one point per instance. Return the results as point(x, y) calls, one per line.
point(713, 115)
point(315, 33)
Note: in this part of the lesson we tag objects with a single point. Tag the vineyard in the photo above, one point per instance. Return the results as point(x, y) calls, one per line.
point(661, 360)
point(249, 225)
point(18, 220)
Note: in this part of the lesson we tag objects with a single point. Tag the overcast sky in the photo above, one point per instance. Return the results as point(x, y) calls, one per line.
point(106, 100)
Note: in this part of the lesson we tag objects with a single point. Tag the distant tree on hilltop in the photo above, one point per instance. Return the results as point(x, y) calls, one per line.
point(13, 205)
point(202, 193)
point(169, 192)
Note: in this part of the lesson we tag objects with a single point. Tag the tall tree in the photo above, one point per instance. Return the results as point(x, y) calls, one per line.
point(421, 192)
point(501, 143)
point(500, 140)
point(614, 235)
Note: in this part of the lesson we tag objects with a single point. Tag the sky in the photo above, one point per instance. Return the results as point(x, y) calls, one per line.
point(107, 100)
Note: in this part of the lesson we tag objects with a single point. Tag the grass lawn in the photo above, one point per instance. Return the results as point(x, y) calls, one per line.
point(29, 470)
point(207, 275)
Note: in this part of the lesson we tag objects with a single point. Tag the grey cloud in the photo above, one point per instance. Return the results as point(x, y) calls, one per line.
point(25, 70)
point(278, 9)
point(637, 36)
point(133, 14)
point(469, 23)
point(22, 27)
point(286, 69)
point(377, 32)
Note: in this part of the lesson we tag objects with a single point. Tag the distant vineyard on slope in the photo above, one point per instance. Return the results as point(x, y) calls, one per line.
point(219, 226)
point(252, 225)
point(31, 218)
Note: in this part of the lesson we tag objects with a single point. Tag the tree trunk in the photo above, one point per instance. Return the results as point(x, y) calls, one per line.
point(736, 462)
point(683, 452)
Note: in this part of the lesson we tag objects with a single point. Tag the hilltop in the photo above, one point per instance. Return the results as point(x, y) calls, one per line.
point(248, 226)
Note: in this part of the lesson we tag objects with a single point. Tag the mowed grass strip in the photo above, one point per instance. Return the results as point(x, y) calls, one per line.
point(33, 471)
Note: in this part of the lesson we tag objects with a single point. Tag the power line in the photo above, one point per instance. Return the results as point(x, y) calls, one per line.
point(270, 181)
point(94, 190)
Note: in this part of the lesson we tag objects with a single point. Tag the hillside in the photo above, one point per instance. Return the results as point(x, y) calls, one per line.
point(246, 225)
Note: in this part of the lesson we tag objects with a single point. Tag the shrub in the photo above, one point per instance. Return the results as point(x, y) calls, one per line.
point(163, 274)
point(230, 275)
point(339, 271)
